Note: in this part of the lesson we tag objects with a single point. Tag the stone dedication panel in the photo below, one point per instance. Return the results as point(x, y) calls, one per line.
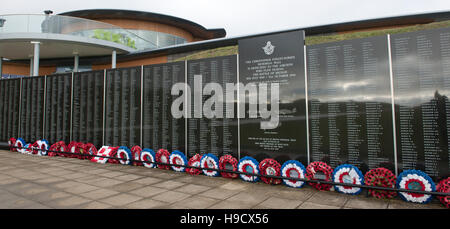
point(265, 63)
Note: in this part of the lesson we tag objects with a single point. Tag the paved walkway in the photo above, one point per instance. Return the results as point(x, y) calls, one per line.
point(28, 181)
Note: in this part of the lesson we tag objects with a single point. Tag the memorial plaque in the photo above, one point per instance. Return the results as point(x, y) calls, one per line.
point(421, 67)
point(350, 105)
point(9, 108)
point(58, 99)
point(123, 107)
point(87, 114)
point(160, 129)
point(212, 126)
point(32, 109)
point(274, 59)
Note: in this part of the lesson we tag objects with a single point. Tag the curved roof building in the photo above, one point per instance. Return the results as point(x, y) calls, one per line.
point(69, 41)
point(97, 39)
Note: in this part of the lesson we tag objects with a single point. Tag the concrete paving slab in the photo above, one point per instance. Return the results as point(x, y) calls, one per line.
point(146, 204)
point(328, 198)
point(279, 203)
point(31, 182)
point(219, 193)
point(148, 191)
point(169, 184)
point(171, 196)
point(99, 194)
point(195, 202)
point(126, 187)
point(120, 199)
point(192, 188)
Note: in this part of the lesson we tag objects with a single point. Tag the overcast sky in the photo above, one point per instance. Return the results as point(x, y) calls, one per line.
point(241, 17)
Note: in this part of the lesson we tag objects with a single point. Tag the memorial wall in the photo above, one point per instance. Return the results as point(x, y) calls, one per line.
point(87, 108)
point(58, 102)
point(373, 102)
point(123, 107)
point(212, 126)
point(421, 67)
point(9, 108)
point(159, 129)
point(32, 105)
point(350, 107)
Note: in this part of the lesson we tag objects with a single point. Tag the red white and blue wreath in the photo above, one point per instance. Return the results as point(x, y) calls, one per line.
point(147, 157)
point(248, 165)
point(43, 147)
point(163, 156)
point(178, 158)
point(348, 174)
point(194, 162)
point(380, 177)
point(228, 162)
point(103, 154)
point(319, 170)
point(19, 144)
point(415, 180)
point(28, 149)
point(125, 155)
point(270, 167)
point(295, 169)
point(444, 187)
point(136, 153)
point(210, 161)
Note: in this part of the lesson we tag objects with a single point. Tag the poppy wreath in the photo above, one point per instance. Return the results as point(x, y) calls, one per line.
point(270, 167)
point(52, 149)
point(248, 165)
point(72, 148)
point(162, 156)
point(11, 143)
point(444, 187)
point(348, 174)
point(178, 158)
point(80, 150)
point(113, 155)
point(195, 162)
point(380, 177)
point(210, 161)
point(293, 168)
point(89, 150)
point(136, 154)
point(43, 147)
point(19, 144)
point(312, 174)
point(228, 162)
point(125, 154)
point(415, 180)
point(60, 147)
point(148, 155)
